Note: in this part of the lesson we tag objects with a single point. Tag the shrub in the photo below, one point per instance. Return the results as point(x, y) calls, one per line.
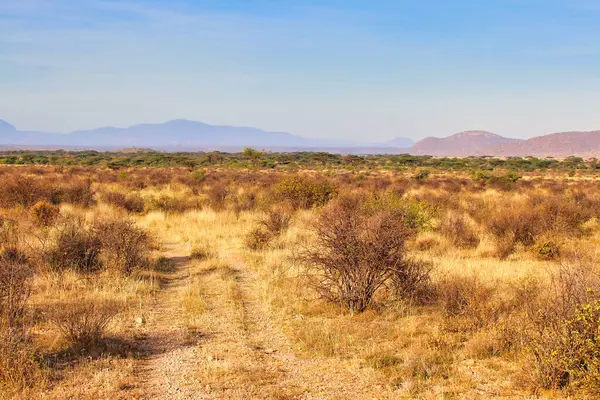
point(18, 364)
point(411, 280)
point(21, 191)
point(79, 193)
point(15, 286)
point(563, 331)
point(75, 248)
point(356, 252)
point(200, 253)
point(422, 175)
point(132, 203)
point(44, 214)
point(456, 229)
point(258, 239)
point(83, 321)
point(217, 195)
point(174, 204)
point(548, 250)
point(276, 222)
point(124, 246)
point(303, 192)
point(470, 304)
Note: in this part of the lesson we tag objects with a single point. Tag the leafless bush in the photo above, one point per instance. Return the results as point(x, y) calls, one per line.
point(356, 252)
point(132, 203)
point(22, 191)
point(276, 221)
point(75, 247)
point(78, 192)
point(18, 365)
point(44, 214)
point(456, 229)
point(411, 281)
point(83, 321)
point(217, 195)
point(124, 246)
point(15, 286)
point(258, 239)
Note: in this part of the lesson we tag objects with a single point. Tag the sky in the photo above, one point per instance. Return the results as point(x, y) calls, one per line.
point(365, 70)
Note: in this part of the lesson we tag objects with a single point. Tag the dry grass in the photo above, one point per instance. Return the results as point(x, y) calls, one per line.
point(259, 327)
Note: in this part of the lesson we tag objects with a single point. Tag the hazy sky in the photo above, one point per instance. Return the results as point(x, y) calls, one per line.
point(364, 70)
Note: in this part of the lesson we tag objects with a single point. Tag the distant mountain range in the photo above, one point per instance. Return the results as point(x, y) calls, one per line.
point(189, 135)
point(180, 135)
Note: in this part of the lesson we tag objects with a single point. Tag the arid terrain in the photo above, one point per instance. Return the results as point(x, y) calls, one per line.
point(324, 278)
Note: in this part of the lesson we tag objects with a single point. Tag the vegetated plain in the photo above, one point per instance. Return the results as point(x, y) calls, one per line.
point(297, 276)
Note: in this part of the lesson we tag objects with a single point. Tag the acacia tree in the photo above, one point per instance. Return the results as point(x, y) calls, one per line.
point(252, 155)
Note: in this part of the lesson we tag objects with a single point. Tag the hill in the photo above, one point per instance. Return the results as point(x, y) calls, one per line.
point(563, 144)
point(460, 144)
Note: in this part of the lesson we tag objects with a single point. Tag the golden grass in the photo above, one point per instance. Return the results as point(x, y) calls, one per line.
point(403, 351)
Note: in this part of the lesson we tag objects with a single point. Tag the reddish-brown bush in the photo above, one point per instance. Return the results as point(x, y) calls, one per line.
point(356, 252)
point(75, 247)
point(44, 214)
point(124, 246)
point(456, 229)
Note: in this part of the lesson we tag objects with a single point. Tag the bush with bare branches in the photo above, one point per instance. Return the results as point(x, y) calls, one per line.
point(357, 251)
point(83, 321)
point(75, 247)
point(124, 246)
point(44, 214)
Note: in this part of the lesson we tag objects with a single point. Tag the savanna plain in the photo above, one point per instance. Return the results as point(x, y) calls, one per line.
point(324, 282)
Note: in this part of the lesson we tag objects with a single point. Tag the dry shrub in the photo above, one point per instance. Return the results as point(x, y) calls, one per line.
point(456, 229)
point(258, 239)
point(83, 321)
point(562, 331)
point(471, 304)
point(15, 286)
point(276, 221)
point(22, 191)
point(524, 223)
point(357, 250)
point(303, 192)
point(200, 252)
point(78, 193)
point(75, 248)
point(133, 203)
point(19, 366)
point(412, 281)
point(244, 202)
point(174, 204)
point(44, 214)
point(217, 195)
point(124, 246)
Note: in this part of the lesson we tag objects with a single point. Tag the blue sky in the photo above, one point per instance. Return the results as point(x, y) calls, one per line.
point(361, 70)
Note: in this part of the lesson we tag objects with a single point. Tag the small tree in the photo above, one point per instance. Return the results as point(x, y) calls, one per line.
point(252, 155)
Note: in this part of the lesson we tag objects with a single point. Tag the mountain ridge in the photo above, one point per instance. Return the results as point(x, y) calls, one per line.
point(183, 134)
point(178, 133)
